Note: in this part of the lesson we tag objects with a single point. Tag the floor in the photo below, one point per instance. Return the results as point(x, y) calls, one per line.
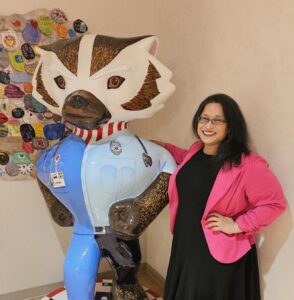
point(145, 280)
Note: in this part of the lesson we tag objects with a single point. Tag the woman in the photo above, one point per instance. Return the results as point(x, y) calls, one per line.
point(220, 195)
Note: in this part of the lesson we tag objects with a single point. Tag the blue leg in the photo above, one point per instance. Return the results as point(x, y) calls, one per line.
point(81, 267)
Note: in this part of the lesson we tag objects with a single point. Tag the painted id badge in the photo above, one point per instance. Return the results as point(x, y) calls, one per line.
point(57, 179)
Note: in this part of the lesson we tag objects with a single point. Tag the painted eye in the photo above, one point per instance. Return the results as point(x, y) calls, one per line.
point(115, 82)
point(59, 80)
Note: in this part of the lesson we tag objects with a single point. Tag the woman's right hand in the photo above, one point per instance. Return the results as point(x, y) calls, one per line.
point(158, 143)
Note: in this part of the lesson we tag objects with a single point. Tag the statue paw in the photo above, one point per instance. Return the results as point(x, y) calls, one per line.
point(128, 291)
point(124, 218)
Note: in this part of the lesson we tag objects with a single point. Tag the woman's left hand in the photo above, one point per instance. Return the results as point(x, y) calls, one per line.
point(217, 222)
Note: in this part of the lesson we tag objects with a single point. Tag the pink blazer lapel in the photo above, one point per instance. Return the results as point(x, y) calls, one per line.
point(223, 182)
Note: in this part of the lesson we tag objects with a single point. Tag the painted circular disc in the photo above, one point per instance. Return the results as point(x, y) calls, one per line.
point(3, 118)
point(54, 131)
point(12, 169)
point(59, 16)
point(10, 40)
point(4, 59)
point(80, 26)
point(103, 287)
point(18, 112)
point(4, 158)
point(27, 51)
point(3, 131)
point(60, 30)
point(31, 34)
point(46, 25)
point(27, 132)
point(18, 22)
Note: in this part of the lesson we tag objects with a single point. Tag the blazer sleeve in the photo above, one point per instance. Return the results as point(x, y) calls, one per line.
point(265, 195)
point(177, 152)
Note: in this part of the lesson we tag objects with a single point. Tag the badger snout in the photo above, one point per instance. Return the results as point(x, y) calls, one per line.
point(78, 101)
point(85, 110)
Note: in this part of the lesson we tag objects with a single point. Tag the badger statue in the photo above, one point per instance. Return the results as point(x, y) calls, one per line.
point(102, 179)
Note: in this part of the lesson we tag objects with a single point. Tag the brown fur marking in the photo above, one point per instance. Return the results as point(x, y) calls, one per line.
point(42, 90)
point(153, 201)
point(60, 214)
point(67, 51)
point(148, 91)
point(106, 48)
point(142, 210)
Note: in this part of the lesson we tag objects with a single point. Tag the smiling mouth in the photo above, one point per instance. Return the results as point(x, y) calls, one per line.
point(208, 134)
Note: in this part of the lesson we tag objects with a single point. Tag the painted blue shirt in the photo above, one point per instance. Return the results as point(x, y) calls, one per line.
point(96, 176)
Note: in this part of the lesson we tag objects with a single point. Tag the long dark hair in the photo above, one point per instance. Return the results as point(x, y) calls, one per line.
point(235, 144)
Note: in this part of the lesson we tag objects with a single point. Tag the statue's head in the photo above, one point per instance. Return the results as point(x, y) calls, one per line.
point(94, 79)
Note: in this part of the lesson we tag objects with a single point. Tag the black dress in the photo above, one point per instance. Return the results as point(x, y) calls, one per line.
point(193, 274)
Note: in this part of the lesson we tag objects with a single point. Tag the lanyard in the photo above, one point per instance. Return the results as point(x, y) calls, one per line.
point(146, 158)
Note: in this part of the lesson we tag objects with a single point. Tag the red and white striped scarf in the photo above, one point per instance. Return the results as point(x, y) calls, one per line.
point(92, 136)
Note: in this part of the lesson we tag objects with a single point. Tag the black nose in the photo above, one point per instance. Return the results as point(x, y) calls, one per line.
point(78, 101)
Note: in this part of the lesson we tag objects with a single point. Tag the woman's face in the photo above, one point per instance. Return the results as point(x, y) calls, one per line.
point(212, 127)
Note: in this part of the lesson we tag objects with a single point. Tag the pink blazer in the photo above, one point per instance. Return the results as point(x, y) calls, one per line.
point(250, 193)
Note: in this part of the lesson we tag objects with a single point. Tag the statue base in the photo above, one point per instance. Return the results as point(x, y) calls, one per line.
point(103, 288)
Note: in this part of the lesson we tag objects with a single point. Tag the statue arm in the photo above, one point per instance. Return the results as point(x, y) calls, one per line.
point(60, 214)
point(130, 217)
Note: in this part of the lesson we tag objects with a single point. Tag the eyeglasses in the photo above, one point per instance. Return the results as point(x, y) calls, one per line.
point(206, 120)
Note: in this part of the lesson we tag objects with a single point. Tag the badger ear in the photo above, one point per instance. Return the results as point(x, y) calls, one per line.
point(150, 44)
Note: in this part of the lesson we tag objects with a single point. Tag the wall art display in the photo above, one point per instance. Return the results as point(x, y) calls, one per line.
point(27, 127)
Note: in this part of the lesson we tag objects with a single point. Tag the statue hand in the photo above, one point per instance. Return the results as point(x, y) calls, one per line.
point(124, 218)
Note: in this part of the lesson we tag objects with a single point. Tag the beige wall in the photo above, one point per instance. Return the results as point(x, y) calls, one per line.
point(28, 241)
point(244, 49)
